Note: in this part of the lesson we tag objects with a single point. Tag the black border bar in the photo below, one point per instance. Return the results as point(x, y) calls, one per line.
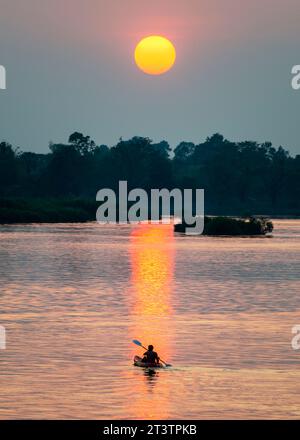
point(150, 429)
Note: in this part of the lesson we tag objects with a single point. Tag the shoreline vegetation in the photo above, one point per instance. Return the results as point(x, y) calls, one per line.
point(52, 210)
point(230, 226)
point(61, 185)
point(14, 211)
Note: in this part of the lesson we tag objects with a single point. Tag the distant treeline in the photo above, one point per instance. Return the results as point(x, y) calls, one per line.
point(238, 177)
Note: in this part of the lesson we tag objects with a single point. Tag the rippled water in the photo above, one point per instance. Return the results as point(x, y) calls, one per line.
point(221, 310)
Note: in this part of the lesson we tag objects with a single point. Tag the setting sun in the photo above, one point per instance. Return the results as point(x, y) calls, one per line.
point(155, 55)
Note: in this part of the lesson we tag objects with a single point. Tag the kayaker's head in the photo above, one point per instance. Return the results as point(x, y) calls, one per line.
point(150, 347)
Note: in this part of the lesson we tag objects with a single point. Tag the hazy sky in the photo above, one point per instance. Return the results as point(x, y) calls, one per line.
point(70, 67)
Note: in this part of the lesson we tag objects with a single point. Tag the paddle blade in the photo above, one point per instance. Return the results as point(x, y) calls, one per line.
point(136, 342)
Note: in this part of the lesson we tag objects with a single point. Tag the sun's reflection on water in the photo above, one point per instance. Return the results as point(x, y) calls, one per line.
point(152, 263)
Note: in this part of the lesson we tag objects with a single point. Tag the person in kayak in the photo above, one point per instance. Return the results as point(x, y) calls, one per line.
point(151, 356)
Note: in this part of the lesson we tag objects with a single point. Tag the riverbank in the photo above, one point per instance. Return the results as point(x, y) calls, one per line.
point(74, 210)
point(56, 210)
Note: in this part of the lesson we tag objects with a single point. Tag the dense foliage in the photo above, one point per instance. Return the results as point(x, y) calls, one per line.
point(232, 226)
point(238, 178)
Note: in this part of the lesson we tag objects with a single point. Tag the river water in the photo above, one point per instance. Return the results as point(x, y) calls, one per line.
point(221, 310)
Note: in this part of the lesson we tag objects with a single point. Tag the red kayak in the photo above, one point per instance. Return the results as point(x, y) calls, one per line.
point(138, 362)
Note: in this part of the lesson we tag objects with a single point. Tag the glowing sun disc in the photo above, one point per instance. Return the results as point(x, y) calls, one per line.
point(155, 55)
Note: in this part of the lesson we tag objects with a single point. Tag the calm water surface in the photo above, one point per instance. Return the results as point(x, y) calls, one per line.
point(221, 310)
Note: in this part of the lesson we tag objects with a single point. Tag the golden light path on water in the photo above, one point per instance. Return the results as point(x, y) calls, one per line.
point(152, 263)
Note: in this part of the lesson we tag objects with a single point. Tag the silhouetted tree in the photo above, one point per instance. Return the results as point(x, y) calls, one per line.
point(83, 144)
point(8, 168)
point(184, 151)
point(238, 177)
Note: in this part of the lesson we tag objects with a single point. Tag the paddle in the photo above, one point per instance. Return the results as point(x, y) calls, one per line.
point(136, 342)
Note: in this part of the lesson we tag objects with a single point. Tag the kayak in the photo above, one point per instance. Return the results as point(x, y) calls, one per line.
point(138, 362)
